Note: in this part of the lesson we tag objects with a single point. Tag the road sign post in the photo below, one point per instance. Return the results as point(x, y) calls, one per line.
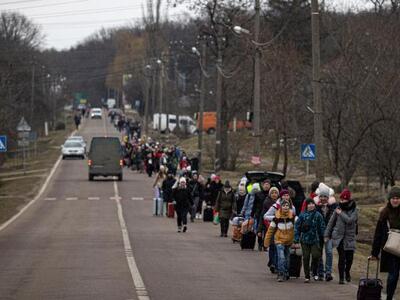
point(3, 143)
point(24, 130)
point(307, 153)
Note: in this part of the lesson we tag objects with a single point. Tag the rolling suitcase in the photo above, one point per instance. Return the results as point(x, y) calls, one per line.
point(295, 264)
point(158, 206)
point(370, 288)
point(208, 214)
point(171, 210)
point(248, 240)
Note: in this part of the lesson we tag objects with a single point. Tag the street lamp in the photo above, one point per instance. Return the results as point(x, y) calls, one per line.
point(161, 86)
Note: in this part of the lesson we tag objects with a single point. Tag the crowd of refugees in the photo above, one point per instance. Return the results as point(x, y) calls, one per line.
point(311, 229)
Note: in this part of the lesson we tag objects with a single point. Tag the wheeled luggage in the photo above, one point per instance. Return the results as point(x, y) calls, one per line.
point(248, 240)
point(370, 288)
point(170, 210)
point(158, 205)
point(208, 214)
point(236, 233)
point(295, 263)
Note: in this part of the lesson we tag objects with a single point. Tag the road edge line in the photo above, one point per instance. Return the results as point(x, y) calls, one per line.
point(138, 283)
point(39, 194)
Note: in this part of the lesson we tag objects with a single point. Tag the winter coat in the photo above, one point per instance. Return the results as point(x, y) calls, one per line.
point(309, 228)
point(328, 212)
point(343, 227)
point(248, 205)
point(182, 198)
point(167, 185)
point(268, 202)
point(239, 202)
point(270, 214)
point(380, 238)
point(281, 228)
point(215, 188)
point(226, 204)
point(196, 189)
point(258, 204)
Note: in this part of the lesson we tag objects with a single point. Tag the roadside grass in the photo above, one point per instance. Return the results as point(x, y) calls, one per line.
point(16, 193)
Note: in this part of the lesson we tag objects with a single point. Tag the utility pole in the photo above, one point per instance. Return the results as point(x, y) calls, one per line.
point(218, 135)
point(32, 94)
point(256, 100)
point(146, 102)
point(161, 84)
point(318, 131)
point(203, 61)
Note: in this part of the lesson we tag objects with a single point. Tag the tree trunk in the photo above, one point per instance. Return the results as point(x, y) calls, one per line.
point(285, 155)
point(277, 151)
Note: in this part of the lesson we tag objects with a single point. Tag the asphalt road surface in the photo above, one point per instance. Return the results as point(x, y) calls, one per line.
point(99, 240)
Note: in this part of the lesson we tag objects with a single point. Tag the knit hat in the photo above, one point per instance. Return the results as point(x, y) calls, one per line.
point(285, 202)
point(323, 190)
point(284, 192)
point(182, 180)
point(227, 184)
point(267, 180)
point(345, 195)
point(274, 188)
point(394, 192)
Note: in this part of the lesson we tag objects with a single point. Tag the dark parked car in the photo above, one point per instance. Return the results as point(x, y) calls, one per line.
point(105, 157)
point(276, 180)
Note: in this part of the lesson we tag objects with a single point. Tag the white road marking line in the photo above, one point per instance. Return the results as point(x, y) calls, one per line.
point(137, 198)
point(116, 197)
point(39, 194)
point(71, 198)
point(93, 198)
point(138, 283)
point(50, 199)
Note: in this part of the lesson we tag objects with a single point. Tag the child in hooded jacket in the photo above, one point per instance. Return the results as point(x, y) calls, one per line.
point(309, 232)
point(281, 229)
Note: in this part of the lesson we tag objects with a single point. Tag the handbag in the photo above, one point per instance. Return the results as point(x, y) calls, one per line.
point(216, 219)
point(392, 244)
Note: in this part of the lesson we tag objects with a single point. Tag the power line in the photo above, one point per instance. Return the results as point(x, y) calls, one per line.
point(47, 5)
point(17, 2)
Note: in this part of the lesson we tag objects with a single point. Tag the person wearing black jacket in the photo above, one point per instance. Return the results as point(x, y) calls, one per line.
point(258, 206)
point(388, 217)
point(166, 187)
point(215, 188)
point(196, 190)
point(240, 196)
point(183, 202)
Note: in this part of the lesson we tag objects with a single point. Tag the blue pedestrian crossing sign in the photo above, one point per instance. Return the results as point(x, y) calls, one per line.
point(308, 152)
point(3, 143)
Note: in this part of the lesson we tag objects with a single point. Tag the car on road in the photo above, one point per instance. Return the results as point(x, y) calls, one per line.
point(105, 157)
point(79, 139)
point(96, 113)
point(72, 149)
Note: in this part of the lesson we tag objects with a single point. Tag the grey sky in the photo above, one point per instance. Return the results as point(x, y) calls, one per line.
point(66, 22)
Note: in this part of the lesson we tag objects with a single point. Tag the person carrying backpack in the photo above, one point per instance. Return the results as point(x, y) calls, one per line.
point(308, 233)
point(281, 230)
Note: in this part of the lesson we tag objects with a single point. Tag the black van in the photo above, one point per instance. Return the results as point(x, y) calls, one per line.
point(105, 157)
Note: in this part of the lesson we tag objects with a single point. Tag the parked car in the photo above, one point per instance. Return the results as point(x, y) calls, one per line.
point(276, 180)
point(72, 149)
point(105, 157)
point(79, 139)
point(96, 113)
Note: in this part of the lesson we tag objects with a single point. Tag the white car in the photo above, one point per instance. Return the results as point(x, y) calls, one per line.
point(72, 149)
point(79, 139)
point(96, 113)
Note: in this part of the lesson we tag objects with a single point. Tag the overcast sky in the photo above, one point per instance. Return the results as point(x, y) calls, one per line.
point(66, 22)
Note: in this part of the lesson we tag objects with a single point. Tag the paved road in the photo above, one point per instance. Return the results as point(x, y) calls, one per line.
point(76, 241)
